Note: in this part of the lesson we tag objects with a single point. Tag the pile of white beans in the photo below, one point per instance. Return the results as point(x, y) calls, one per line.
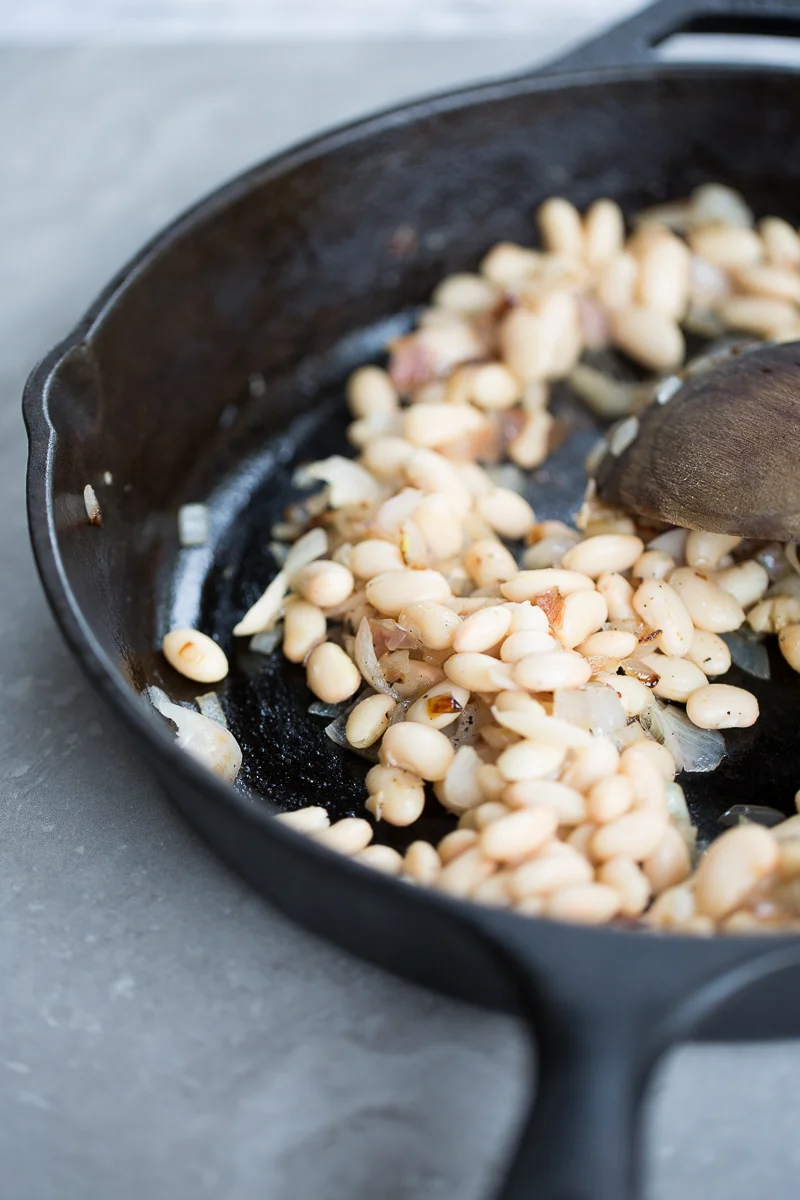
point(555, 817)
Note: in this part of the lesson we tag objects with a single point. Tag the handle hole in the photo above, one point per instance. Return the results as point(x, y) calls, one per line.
point(731, 48)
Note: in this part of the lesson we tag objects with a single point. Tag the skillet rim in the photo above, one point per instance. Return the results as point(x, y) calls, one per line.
point(42, 439)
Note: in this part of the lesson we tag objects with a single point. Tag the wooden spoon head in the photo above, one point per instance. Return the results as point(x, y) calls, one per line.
point(722, 454)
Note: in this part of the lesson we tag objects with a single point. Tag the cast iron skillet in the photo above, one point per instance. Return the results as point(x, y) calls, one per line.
point(215, 360)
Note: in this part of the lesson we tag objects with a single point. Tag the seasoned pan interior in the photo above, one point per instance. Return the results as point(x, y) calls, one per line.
point(219, 365)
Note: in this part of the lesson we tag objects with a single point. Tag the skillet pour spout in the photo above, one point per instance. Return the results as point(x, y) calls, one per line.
point(271, 277)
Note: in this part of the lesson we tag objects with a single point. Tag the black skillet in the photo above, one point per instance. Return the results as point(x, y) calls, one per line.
point(215, 361)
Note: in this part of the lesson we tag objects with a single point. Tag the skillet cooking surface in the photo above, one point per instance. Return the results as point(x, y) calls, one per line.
point(287, 755)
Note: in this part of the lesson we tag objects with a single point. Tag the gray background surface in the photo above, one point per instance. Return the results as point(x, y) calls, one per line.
point(162, 1032)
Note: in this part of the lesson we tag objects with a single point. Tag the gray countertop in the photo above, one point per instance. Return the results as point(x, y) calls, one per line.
point(162, 1032)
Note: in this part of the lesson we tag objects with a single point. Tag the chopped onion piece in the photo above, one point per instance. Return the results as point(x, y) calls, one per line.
point(211, 707)
point(321, 708)
point(773, 559)
point(748, 653)
point(695, 750)
point(207, 741)
point(639, 670)
point(310, 546)
point(466, 729)
point(757, 814)
point(679, 812)
point(595, 707)
point(193, 525)
point(267, 609)
point(280, 552)
point(348, 482)
point(266, 643)
point(367, 660)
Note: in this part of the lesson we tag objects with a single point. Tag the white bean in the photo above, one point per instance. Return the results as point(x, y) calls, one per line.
point(781, 243)
point(630, 881)
point(455, 843)
point(517, 645)
point(432, 623)
point(381, 858)
point(484, 629)
point(463, 874)
point(726, 246)
point(556, 866)
point(582, 614)
point(524, 345)
point(650, 338)
point(493, 387)
point(591, 763)
point(789, 642)
point(609, 798)
point(720, 706)
point(373, 557)
point(731, 868)
point(660, 606)
point(439, 706)
point(508, 265)
point(759, 315)
point(705, 551)
point(532, 444)
point(195, 655)
point(609, 643)
point(422, 863)
point(369, 720)
point(370, 392)
point(544, 672)
point(605, 552)
point(347, 836)
point(664, 271)
point(634, 835)
point(568, 804)
point(747, 582)
point(632, 692)
point(508, 513)
point(305, 820)
point(658, 755)
point(709, 653)
point(419, 749)
point(330, 674)
point(560, 226)
point(616, 283)
point(603, 232)
point(527, 585)
point(670, 863)
point(433, 425)
point(677, 677)
point(709, 606)
point(618, 595)
point(392, 591)
point(324, 583)
point(480, 672)
point(654, 564)
point(395, 795)
point(385, 457)
point(530, 760)
point(516, 835)
point(464, 294)
point(488, 562)
point(304, 627)
point(589, 904)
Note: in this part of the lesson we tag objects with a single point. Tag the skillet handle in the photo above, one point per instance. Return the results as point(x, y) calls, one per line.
point(582, 1138)
point(634, 41)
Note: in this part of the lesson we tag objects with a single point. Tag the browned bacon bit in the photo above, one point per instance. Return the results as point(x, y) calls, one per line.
point(551, 603)
point(441, 705)
point(411, 363)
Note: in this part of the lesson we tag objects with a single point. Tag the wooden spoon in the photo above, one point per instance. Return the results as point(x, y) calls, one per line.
point(717, 449)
